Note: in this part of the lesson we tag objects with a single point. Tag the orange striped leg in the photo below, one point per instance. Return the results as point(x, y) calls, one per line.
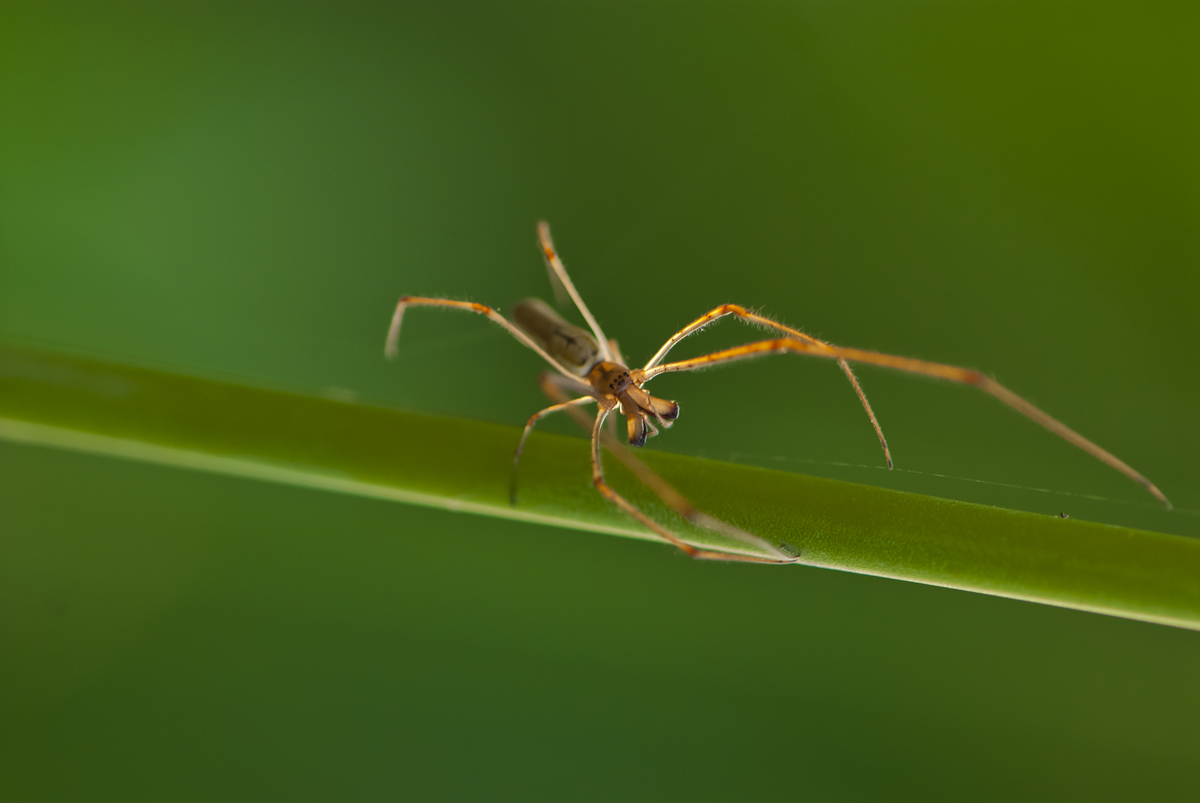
point(393, 336)
point(553, 386)
point(611, 495)
point(753, 318)
point(559, 272)
point(533, 419)
point(953, 373)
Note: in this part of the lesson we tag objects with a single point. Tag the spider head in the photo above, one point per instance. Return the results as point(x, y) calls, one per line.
point(613, 381)
point(609, 379)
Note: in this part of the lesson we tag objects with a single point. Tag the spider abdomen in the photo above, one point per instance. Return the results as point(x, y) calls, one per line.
point(569, 344)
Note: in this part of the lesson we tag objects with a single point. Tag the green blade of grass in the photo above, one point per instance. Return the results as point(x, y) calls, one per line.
point(71, 402)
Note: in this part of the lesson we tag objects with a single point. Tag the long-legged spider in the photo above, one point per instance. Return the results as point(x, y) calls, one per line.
point(590, 364)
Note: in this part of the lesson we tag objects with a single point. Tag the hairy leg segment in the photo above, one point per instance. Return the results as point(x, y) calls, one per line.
point(755, 319)
point(557, 389)
point(953, 373)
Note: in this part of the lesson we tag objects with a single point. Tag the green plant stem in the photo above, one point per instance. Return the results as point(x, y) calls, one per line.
point(70, 402)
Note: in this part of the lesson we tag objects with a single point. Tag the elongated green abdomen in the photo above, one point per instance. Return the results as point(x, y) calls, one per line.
point(572, 346)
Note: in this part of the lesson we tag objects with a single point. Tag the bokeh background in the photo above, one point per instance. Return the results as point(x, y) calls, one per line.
point(243, 190)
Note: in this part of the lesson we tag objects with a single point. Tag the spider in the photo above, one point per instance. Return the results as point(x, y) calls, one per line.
point(590, 367)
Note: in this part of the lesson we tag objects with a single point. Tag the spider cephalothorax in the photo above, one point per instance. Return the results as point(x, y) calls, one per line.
point(611, 383)
point(615, 385)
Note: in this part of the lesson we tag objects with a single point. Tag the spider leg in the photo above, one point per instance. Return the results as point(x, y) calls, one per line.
point(680, 504)
point(612, 429)
point(552, 386)
point(393, 336)
point(611, 495)
point(753, 318)
point(555, 388)
point(533, 419)
point(953, 373)
point(555, 264)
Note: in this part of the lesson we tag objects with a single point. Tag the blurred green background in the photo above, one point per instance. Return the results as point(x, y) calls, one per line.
point(243, 191)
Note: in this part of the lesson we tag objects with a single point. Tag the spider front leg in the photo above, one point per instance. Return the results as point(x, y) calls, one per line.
point(611, 495)
point(556, 387)
point(755, 319)
point(965, 376)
